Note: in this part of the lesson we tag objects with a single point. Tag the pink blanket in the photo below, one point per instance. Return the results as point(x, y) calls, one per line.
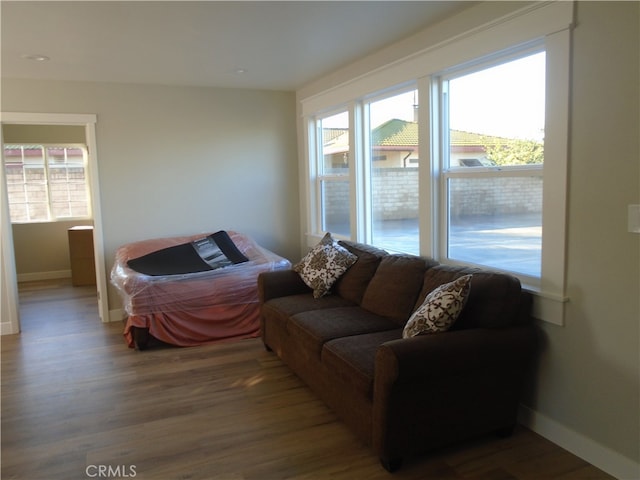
point(196, 308)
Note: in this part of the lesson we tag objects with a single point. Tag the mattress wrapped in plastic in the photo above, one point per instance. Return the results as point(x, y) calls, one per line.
point(193, 308)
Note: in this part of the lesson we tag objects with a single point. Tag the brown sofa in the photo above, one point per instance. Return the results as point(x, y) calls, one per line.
point(403, 397)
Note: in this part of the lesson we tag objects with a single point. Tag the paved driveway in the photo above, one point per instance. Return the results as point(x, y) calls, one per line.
point(507, 242)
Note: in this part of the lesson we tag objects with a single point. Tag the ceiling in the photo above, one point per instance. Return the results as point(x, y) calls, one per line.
point(240, 44)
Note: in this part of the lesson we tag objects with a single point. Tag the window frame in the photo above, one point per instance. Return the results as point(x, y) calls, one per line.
point(440, 120)
point(539, 23)
point(319, 175)
point(367, 214)
point(359, 173)
point(51, 217)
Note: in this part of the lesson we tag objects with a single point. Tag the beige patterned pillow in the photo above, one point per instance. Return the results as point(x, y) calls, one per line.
point(440, 309)
point(324, 264)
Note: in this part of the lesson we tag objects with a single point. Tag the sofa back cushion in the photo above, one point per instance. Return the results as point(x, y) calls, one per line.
point(395, 287)
point(494, 299)
point(353, 283)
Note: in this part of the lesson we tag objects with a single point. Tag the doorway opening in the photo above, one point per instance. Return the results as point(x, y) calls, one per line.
point(49, 128)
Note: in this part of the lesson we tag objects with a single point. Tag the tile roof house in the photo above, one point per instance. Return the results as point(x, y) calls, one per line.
point(395, 145)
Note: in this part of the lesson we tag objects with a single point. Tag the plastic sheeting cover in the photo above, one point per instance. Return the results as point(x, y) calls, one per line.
point(232, 285)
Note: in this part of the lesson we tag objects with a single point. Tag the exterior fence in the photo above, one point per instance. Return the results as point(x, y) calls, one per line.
point(395, 196)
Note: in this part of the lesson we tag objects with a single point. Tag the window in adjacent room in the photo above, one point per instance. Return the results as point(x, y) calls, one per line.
point(493, 120)
point(46, 182)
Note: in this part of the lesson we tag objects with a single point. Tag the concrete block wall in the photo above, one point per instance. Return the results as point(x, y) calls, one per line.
point(395, 196)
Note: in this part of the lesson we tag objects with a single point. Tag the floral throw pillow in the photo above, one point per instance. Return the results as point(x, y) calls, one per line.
point(324, 264)
point(440, 309)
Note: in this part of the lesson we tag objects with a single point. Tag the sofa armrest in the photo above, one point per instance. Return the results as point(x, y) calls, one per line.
point(280, 283)
point(453, 353)
point(436, 389)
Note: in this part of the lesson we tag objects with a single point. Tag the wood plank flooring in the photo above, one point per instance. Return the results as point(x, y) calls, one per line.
point(78, 404)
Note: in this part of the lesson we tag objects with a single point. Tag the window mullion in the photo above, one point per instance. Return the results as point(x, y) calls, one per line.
point(24, 184)
point(314, 135)
point(356, 153)
point(429, 144)
point(50, 215)
point(66, 177)
point(87, 179)
point(361, 174)
point(443, 161)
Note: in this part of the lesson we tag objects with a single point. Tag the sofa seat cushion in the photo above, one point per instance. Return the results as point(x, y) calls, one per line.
point(353, 358)
point(313, 329)
point(293, 304)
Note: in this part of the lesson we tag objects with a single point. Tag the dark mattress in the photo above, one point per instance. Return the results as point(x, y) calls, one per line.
point(185, 258)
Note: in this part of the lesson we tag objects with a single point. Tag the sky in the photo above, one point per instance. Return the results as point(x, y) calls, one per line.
point(507, 101)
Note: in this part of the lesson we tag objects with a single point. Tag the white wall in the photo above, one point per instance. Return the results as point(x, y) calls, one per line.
point(176, 160)
point(584, 394)
point(589, 377)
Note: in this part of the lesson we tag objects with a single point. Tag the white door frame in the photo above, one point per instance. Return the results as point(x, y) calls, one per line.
point(7, 254)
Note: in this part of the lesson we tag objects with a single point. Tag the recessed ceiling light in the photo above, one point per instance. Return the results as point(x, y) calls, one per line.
point(240, 71)
point(36, 57)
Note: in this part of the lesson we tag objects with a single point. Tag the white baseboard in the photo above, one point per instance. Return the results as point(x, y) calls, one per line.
point(589, 450)
point(52, 275)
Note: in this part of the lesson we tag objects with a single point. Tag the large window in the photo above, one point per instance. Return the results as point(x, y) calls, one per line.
point(456, 152)
point(493, 119)
point(46, 182)
point(487, 174)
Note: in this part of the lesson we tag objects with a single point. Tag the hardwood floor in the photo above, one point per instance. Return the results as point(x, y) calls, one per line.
point(77, 404)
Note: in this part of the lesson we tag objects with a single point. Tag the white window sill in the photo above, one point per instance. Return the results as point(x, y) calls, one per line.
point(548, 307)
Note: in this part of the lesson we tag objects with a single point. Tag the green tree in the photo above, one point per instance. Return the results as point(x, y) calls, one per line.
point(515, 152)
